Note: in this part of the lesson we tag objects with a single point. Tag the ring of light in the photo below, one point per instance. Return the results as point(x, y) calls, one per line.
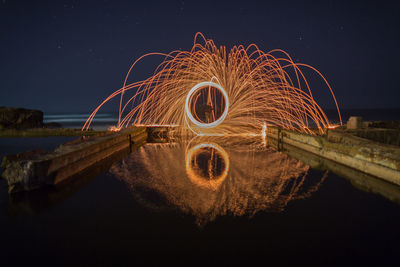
point(189, 98)
point(194, 178)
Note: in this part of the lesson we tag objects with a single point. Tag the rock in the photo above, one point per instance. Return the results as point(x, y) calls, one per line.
point(52, 125)
point(354, 123)
point(23, 171)
point(20, 118)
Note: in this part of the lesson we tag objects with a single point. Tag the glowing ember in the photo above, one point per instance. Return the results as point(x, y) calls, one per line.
point(333, 126)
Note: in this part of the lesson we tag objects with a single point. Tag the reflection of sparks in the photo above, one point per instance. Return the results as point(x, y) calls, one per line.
point(214, 183)
point(259, 87)
point(264, 133)
point(258, 179)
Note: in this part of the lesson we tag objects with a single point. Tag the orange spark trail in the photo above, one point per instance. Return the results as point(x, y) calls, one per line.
point(262, 89)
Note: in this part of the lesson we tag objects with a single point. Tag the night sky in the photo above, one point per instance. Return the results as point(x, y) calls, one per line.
point(61, 56)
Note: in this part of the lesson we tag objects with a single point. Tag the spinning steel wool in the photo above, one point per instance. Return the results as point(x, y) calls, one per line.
point(208, 91)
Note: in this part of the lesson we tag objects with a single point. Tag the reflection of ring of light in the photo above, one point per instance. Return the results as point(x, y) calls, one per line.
point(189, 100)
point(194, 178)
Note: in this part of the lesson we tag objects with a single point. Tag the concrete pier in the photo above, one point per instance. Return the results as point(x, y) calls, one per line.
point(35, 169)
point(370, 157)
point(36, 201)
point(357, 178)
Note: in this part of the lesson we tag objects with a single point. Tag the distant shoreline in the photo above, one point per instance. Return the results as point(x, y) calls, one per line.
point(46, 132)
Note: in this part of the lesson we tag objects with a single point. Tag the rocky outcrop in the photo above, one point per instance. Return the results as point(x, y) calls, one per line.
point(20, 118)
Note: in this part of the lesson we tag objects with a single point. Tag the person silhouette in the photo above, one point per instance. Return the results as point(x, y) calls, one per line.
point(206, 111)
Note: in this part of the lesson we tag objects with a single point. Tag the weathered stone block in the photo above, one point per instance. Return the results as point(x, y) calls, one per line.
point(354, 122)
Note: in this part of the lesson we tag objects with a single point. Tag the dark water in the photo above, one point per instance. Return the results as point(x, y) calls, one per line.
point(204, 202)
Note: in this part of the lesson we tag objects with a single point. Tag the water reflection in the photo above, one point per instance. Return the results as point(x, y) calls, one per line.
point(207, 165)
point(209, 178)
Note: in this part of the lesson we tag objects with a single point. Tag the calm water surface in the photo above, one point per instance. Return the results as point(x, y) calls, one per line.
point(199, 202)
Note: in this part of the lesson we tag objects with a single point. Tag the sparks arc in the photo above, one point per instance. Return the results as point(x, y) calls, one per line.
point(259, 88)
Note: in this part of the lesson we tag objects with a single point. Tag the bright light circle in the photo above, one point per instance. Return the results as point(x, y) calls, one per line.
point(194, 178)
point(189, 98)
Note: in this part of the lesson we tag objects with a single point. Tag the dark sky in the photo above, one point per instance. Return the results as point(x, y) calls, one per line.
point(70, 55)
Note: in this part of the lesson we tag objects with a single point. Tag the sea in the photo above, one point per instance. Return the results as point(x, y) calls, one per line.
point(200, 202)
point(101, 121)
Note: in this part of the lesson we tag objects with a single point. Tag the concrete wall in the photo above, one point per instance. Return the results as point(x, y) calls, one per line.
point(385, 136)
point(359, 179)
point(29, 171)
point(373, 158)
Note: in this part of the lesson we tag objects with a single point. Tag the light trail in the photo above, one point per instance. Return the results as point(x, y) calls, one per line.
point(257, 89)
point(188, 104)
point(211, 182)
